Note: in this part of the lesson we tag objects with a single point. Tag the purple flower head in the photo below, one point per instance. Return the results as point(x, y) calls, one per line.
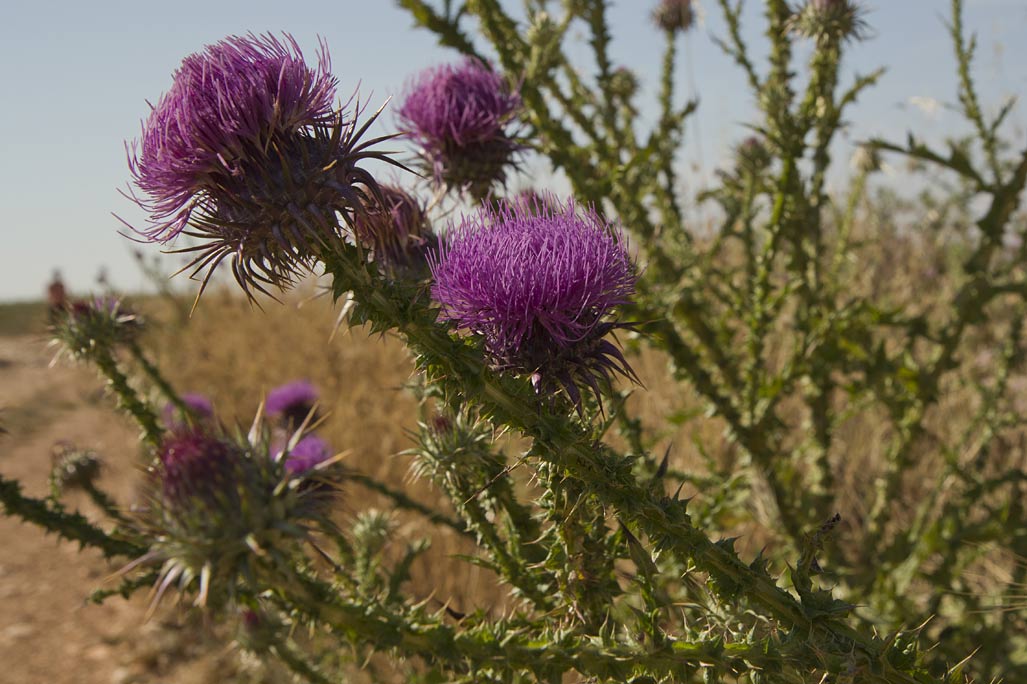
point(395, 228)
point(197, 467)
point(292, 402)
point(247, 152)
point(537, 284)
point(674, 15)
point(459, 115)
point(308, 453)
point(198, 404)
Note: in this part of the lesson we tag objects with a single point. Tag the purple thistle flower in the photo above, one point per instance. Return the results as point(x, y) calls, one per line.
point(196, 466)
point(292, 402)
point(674, 15)
point(459, 114)
point(247, 152)
point(308, 453)
point(394, 227)
point(537, 283)
point(198, 404)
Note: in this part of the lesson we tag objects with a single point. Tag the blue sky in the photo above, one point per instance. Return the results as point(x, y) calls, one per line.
point(77, 76)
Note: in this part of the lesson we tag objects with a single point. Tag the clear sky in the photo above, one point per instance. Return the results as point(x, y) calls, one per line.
point(76, 78)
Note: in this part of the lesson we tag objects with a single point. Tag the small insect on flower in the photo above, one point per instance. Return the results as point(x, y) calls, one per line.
point(460, 117)
point(247, 154)
point(223, 510)
point(538, 285)
point(396, 230)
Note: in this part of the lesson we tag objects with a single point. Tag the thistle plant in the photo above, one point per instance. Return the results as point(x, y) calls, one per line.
point(612, 573)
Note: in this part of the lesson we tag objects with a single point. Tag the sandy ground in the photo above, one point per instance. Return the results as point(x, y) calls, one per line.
point(48, 633)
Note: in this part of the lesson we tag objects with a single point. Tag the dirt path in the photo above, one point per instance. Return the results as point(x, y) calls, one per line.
point(48, 634)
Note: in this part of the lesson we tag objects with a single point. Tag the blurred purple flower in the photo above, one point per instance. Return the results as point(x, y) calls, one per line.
point(459, 115)
point(292, 402)
point(198, 404)
point(537, 284)
point(308, 452)
point(196, 465)
point(248, 152)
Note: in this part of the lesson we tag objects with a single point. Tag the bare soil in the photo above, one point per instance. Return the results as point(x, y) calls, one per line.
point(49, 633)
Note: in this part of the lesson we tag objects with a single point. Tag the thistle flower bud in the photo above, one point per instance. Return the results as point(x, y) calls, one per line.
point(247, 153)
point(834, 19)
point(674, 15)
point(87, 327)
point(624, 83)
point(372, 529)
point(537, 287)
point(395, 228)
point(753, 154)
point(291, 403)
point(73, 468)
point(459, 116)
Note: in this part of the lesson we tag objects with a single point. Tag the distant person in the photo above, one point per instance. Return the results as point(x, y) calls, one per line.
point(56, 294)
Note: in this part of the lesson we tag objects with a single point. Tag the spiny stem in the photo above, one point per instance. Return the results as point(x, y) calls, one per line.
point(127, 397)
